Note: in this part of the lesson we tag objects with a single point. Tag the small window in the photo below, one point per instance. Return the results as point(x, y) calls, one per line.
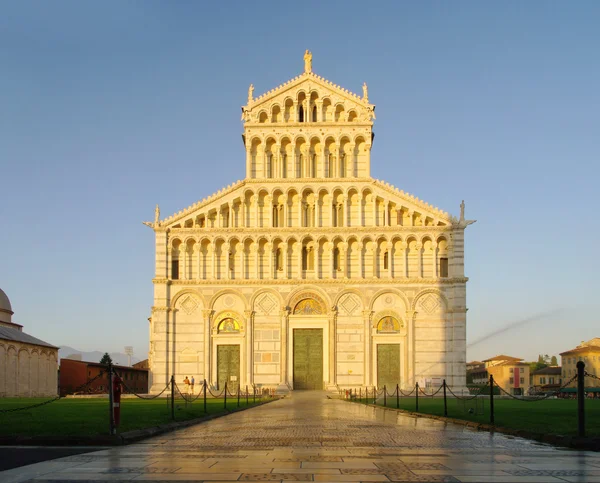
point(510, 369)
point(521, 370)
point(443, 267)
point(336, 259)
point(550, 380)
point(522, 380)
point(511, 380)
point(175, 269)
point(386, 260)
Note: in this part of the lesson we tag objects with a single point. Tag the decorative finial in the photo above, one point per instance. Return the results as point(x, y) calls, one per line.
point(462, 211)
point(365, 92)
point(250, 93)
point(307, 61)
point(157, 215)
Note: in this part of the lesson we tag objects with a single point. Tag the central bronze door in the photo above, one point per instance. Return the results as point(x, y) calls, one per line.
point(228, 367)
point(308, 359)
point(388, 365)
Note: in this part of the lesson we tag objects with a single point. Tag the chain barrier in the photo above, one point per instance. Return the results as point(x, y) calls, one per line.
point(131, 391)
point(44, 403)
point(593, 376)
point(468, 398)
point(186, 396)
point(432, 394)
point(216, 396)
point(538, 398)
point(402, 393)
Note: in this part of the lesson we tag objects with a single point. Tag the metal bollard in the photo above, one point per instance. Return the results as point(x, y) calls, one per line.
point(225, 398)
point(173, 398)
point(491, 399)
point(204, 395)
point(581, 399)
point(417, 397)
point(445, 400)
point(246, 394)
point(384, 396)
point(397, 396)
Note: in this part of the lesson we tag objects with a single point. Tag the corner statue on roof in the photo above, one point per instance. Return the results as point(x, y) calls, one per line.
point(308, 273)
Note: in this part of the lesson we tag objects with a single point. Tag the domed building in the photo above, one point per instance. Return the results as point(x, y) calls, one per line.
point(309, 273)
point(28, 366)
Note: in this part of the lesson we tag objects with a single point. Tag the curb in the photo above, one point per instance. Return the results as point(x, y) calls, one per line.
point(575, 442)
point(125, 438)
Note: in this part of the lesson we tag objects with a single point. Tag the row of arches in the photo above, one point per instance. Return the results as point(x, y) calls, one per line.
point(27, 372)
point(309, 207)
point(303, 156)
point(305, 107)
point(308, 258)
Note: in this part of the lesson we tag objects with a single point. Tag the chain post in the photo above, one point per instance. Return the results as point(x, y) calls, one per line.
point(360, 394)
point(238, 396)
point(416, 397)
point(445, 400)
point(225, 394)
point(254, 392)
point(111, 416)
point(246, 394)
point(581, 399)
point(397, 396)
point(375, 395)
point(204, 385)
point(384, 395)
point(491, 399)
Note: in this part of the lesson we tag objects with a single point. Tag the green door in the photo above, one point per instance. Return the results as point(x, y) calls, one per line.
point(388, 365)
point(308, 359)
point(228, 367)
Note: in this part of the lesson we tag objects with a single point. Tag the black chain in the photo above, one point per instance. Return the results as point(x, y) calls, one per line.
point(593, 376)
point(33, 406)
point(539, 398)
point(468, 398)
point(186, 396)
point(131, 391)
point(432, 394)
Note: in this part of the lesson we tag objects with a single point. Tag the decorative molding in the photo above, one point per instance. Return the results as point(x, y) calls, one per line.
point(321, 281)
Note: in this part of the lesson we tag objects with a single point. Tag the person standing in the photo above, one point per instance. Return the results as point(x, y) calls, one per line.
point(192, 384)
point(186, 381)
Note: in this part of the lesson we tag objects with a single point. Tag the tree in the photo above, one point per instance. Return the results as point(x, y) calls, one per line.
point(106, 359)
point(554, 361)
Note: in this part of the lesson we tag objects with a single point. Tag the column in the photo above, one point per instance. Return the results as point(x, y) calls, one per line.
point(269, 203)
point(318, 268)
point(361, 260)
point(319, 111)
point(213, 257)
point(284, 315)
point(198, 252)
point(332, 207)
point(405, 259)
point(344, 211)
point(323, 161)
point(300, 206)
point(231, 223)
point(219, 218)
point(360, 209)
point(410, 319)
point(256, 211)
point(285, 211)
point(351, 168)
point(207, 316)
point(269, 253)
point(420, 259)
point(374, 251)
point(183, 262)
point(330, 254)
point(386, 214)
point(276, 161)
point(390, 250)
point(434, 257)
point(367, 314)
point(242, 261)
point(284, 256)
point(319, 215)
point(296, 116)
point(243, 214)
point(249, 315)
point(299, 255)
point(410, 217)
point(249, 161)
point(332, 346)
point(374, 210)
point(344, 258)
point(225, 251)
point(256, 260)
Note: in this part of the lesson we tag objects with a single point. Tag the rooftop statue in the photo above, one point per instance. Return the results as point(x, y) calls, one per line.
point(250, 93)
point(307, 61)
point(156, 215)
point(365, 92)
point(462, 211)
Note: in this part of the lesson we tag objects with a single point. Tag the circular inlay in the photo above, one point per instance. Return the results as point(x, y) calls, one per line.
point(389, 300)
point(229, 301)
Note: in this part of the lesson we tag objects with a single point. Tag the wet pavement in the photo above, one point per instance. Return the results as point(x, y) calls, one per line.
point(308, 437)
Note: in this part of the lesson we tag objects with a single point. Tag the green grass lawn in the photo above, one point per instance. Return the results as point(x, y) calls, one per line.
point(79, 417)
point(550, 416)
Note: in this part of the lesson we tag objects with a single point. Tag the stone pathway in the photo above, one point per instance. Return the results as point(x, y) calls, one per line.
point(308, 437)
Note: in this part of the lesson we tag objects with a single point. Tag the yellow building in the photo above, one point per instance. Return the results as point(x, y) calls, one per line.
point(547, 379)
point(510, 373)
point(589, 353)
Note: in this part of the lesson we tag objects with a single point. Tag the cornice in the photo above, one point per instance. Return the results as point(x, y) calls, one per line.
point(333, 281)
point(306, 231)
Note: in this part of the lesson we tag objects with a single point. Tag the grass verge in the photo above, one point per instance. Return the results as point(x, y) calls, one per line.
point(550, 416)
point(90, 417)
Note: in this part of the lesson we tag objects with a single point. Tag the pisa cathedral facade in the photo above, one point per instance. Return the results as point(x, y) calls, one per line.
point(309, 274)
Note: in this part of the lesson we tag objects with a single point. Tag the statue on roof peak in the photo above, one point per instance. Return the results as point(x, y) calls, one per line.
point(365, 92)
point(250, 93)
point(307, 61)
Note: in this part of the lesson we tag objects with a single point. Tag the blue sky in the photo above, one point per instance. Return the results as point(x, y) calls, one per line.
point(108, 108)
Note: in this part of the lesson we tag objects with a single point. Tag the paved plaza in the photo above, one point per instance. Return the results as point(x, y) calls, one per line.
point(308, 437)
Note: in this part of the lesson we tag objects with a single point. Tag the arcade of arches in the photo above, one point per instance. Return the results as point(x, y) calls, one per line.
point(309, 274)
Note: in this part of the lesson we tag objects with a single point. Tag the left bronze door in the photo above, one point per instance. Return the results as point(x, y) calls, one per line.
point(228, 367)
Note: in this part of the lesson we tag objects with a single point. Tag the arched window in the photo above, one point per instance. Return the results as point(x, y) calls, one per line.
point(336, 259)
point(269, 165)
point(313, 166)
point(275, 216)
point(342, 166)
point(311, 258)
point(284, 166)
point(314, 114)
point(386, 260)
point(301, 166)
point(340, 215)
point(304, 258)
point(330, 162)
point(300, 113)
point(278, 260)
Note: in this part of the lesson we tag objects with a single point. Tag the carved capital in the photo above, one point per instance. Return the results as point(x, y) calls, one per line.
point(207, 314)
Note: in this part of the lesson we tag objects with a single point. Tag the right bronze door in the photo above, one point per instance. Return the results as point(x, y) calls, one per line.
point(388, 366)
point(308, 359)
